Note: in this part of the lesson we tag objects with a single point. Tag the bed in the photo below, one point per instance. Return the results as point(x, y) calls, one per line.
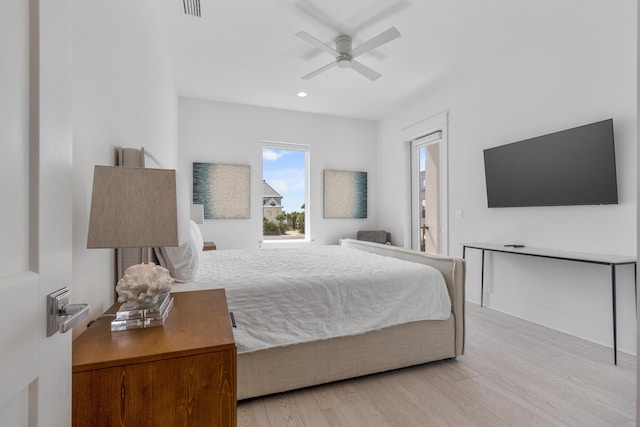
point(329, 339)
point(406, 337)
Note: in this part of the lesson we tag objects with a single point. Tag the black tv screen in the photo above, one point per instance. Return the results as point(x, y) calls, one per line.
point(571, 167)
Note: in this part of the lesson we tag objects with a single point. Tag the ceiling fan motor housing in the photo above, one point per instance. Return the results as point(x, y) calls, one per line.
point(343, 47)
point(343, 44)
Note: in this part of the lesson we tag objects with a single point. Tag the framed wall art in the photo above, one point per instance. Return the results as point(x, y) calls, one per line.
point(224, 190)
point(345, 194)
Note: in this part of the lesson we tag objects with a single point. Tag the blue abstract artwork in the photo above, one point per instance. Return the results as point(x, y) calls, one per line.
point(345, 194)
point(223, 190)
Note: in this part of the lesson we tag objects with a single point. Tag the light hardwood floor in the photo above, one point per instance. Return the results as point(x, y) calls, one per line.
point(513, 373)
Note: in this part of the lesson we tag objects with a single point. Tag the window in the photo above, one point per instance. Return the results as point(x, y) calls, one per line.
point(285, 195)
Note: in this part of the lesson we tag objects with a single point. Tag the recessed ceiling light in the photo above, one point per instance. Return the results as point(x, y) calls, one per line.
point(302, 94)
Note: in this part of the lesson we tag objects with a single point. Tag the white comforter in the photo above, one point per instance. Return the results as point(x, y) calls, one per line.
point(284, 296)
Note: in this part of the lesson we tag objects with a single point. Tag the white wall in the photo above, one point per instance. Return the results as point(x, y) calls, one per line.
point(123, 95)
point(214, 132)
point(579, 70)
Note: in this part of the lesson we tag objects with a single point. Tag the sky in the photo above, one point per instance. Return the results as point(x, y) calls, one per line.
point(284, 170)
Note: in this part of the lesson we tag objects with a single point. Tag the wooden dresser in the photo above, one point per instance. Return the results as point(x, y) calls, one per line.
point(179, 374)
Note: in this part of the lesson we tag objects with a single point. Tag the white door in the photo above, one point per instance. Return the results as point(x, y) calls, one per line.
point(426, 194)
point(427, 227)
point(427, 189)
point(35, 219)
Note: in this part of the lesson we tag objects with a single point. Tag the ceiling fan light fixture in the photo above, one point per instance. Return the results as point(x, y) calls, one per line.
point(343, 61)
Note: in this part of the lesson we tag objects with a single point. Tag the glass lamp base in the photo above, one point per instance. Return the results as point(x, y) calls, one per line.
point(143, 317)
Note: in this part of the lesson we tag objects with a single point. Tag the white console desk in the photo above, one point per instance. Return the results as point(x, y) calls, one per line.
point(611, 260)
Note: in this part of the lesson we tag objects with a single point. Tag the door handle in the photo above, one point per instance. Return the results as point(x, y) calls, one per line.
point(62, 316)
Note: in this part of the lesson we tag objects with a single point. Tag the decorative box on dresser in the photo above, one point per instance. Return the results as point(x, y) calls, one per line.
point(179, 374)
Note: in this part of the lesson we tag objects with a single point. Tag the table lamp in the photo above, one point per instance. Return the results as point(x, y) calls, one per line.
point(139, 208)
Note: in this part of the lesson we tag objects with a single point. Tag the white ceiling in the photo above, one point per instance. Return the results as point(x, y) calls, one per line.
point(245, 51)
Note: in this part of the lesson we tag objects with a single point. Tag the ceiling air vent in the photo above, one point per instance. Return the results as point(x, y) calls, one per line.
point(191, 7)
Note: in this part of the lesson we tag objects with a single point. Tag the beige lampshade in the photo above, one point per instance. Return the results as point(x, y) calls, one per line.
point(136, 208)
point(197, 214)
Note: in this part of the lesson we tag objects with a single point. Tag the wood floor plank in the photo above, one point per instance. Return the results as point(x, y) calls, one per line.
point(513, 373)
point(296, 408)
point(573, 385)
point(341, 392)
point(397, 404)
point(439, 395)
point(546, 393)
point(511, 408)
point(252, 413)
point(363, 413)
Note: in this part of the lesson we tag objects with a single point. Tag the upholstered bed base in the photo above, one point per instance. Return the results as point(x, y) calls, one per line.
point(302, 365)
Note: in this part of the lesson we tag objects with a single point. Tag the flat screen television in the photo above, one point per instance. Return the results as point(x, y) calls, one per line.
point(571, 167)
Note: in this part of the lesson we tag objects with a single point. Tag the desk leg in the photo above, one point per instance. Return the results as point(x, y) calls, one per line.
point(613, 305)
point(482, 282)
point(635, 284)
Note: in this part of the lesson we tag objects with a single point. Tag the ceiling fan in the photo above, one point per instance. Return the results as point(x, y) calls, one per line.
point(344, 53)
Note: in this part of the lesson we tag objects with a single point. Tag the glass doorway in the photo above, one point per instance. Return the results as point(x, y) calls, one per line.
point(426, 193)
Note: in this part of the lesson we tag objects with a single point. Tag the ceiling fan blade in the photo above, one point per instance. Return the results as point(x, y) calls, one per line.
point(318, 71)
point(318, 15)
point(382, 38)
point(317, 43)
point(364, 70)
point(384, 13)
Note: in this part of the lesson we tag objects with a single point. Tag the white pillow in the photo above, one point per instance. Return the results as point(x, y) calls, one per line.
point(183, 261)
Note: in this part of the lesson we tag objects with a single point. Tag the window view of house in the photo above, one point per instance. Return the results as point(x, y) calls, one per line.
point(284, 194)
